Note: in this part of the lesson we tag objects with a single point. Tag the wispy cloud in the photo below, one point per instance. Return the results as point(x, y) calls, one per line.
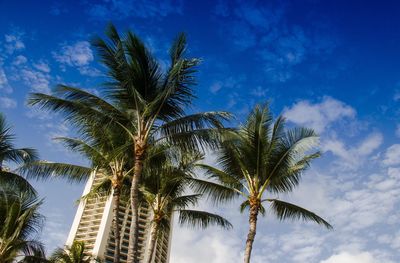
point(346, 257)
point(259, 92)
point(58, 8)
point(7, 103)
point(14, 42)
point(230, 83)
point(352, 157)
point(19, 60)
point(141, 9)
point(42, 66)
point(264, 30)
point(4, 86)
point(56, 229)
point(37, 80)
point(392, 155)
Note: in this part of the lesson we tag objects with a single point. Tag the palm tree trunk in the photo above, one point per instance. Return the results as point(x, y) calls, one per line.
point(252, 231)
point(153, 239)
point(117, 232)
point(133, 248)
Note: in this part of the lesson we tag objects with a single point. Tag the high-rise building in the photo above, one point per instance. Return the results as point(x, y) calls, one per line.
point(93, 225)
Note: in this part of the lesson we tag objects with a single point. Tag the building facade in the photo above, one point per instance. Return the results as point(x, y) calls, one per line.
point(93, 225)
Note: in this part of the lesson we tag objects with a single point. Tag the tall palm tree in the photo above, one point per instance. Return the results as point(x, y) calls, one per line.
point(20, 221)
point(262, 159)
point(165, 191)
point(109, 156)
point(148, 103)
point(11, 155)
point(75, 254)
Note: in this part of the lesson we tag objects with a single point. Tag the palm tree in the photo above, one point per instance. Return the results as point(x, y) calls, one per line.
point(13, 156)
point(165, 190)
point(147, 102)
point(74, 254)
point(108, 154)
point(261, 159)
point(20, 221)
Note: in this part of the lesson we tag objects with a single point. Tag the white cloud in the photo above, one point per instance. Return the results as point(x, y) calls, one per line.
point(392, 155)
point(353, 156)
point(4, 85)
point(357, 206)
point(19, 60)
point(320, 115)
point(228, 83)
point(370, 144)
point(346, 257)
point(14, 42)
point(206, 246)
point(393, 240)
point(215, 87)
point(35, 112)
point(42, 66)
point(7, 103)
point(3, 78)
point(259, 92)
point(38, 81)
point(56, 230)
point(78, 54)
point(89, 71)
point(302, 244)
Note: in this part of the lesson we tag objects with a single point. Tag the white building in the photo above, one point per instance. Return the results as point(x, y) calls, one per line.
point(93, 224)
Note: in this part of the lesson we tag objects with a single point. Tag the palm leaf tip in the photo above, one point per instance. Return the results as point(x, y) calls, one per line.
point(285, 210)
point(202, 219)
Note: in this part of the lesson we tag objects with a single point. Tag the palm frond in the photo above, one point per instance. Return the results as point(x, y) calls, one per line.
point(79, 95)
point(178, 48)
point(221, 176)
point(10, 180)
point(196, 140)
point(19, 222)
point(202, 219)
point(90, 151)
point(287, 154)
point(193, 122)
point(214, 192)
point(185, 201)
point(76, 113)
point(285, 210)
point(22, 155)
point(34, 252)
point(43, 170)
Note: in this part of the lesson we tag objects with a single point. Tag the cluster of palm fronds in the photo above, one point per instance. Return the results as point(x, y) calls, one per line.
point(138, 134)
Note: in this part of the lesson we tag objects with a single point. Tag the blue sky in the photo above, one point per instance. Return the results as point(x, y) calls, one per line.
point(331, 65)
